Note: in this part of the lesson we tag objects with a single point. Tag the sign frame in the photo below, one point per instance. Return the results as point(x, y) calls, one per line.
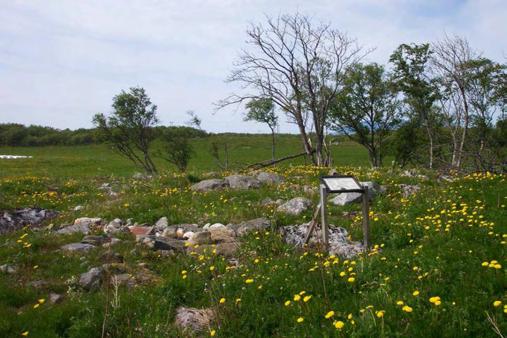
point(329, 190)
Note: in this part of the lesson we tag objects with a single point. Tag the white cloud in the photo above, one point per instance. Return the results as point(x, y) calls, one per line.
point(63, 61)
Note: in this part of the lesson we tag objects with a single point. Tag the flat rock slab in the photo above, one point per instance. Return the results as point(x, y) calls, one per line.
point(140, 230)
point(209, 185)
point(72, 229)
point(77, 247)
point(252, 225)
point(91, 279)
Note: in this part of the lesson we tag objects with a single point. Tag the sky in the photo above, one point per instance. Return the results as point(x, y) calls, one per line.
point(63, 61)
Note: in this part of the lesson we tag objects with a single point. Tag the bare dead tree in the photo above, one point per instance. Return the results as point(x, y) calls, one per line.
point(298, 65)
point(449, 59)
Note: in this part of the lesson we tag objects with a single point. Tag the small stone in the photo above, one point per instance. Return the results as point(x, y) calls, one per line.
point(224, 234)
point(95, 240)
point(208, 185)
point(75, 228)
point(55, 298)
point(162, 223)
point(216, 225)
point(9, 269)
point(141, 230)
point(194, 320)
point(203, 237)
point(295, 206)
point(269, 178)
point(242, 182)
point(78, 208)
point(77, 247)
point(91, 279)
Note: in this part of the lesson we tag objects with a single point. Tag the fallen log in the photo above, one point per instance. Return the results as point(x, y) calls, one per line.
point(268, 163)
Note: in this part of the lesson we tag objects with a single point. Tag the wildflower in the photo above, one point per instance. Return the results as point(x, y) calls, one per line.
point(339, 324)
point(329, 314)
point(497, 303)
point(211, 268)
point(307, 298)
point(249, 281)
point(212, 333)
point(287, 303)
point(415, 293)
point(435, 300)
point(300, 320)
point(297, 298)
point(222, 300)
point(41, 300)
point(380, 313)
point(351, 280)
point(24, 334)
point(238, 300)
point(407, 308)
point(36, 305)
point(399, 302)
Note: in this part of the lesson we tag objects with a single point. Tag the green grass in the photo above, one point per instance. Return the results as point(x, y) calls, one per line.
point(434, 242)
point(99, 160)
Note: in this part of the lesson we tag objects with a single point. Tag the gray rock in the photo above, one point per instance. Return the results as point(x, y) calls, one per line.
point(345, 198)
point(55, 298)
point(9, 269)
point(115, 226)
point(38, 284)
point(222, 234)
point(409, 190)
point(123, 279)
point(176, 245)
point(269, 178)
point(162, 223)
point(242, 182)
point(87, 221)
point(209, 185)
point(203, 237)
point(352, 197)
point(252, 225)
point(72, 229)
point(339, 244)
point(95, 240)
point(91, 279)
point(194, 320)
point(77, 247)
point(295, 206)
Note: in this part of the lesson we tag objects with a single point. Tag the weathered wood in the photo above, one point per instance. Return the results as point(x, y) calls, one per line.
point(323, 215)
point(313, 223)
point(366, 218)
point(267, 163)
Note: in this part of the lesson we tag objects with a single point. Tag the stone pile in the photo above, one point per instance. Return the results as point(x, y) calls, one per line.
point(237, 182)
point(16, 219)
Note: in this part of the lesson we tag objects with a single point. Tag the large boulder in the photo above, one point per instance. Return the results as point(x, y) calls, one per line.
point(242, 182)
point(91, 279)
point(269, 178)
point(194, 320)
point(209, 185)
point(295, 206)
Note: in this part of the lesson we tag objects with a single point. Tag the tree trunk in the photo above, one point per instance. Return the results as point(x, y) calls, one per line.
point(272, 144)
point(430, 138)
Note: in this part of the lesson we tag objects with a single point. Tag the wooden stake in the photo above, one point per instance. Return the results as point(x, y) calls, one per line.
point(323, 215)
point(366, 218)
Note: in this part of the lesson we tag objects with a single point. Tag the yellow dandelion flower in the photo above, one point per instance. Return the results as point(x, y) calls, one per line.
point(249, 281)
point(222, 300)
point(212, 333)
point(339, 324)
point(307, 298)
point(24, 334)
point(399, 302)
point(329, 314)
point(497, 303)
point(287, 303)
point(297, 298)
point(415, 293)
point(351, 280)
point(300, 320)
point(380, 313)
point(407, 308)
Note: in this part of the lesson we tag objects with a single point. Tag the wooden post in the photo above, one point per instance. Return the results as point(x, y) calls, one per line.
point(366, 218)
point(323, 214)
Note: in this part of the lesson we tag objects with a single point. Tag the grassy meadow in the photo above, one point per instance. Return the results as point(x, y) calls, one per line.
point(436, 268)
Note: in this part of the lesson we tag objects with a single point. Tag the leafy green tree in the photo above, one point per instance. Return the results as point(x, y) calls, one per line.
point(366, 109)
point(129, 128)
point(410, 77)
point(263, 111)
point(177, 148)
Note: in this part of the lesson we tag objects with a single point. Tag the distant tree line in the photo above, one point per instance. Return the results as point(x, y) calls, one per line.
point(14, 135)
point(440, 104)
